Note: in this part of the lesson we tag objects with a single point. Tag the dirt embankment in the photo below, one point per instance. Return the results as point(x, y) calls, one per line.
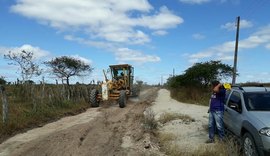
point(108, 130)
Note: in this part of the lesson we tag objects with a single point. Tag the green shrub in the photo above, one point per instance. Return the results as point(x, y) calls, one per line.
point(150, 124)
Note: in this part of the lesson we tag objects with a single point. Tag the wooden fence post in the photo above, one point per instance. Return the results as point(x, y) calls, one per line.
point(5, 104)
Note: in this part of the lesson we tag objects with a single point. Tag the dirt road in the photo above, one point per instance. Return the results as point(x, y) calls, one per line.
point(110, 130)
point(107, 130)
point(189, 136)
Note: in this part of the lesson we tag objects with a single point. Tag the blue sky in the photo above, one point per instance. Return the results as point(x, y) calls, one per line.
point(157, 37)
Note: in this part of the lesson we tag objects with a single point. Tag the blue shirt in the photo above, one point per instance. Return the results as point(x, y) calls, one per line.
point(217, 100)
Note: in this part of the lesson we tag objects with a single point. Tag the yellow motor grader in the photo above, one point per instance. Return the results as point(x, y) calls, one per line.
point(120, 87)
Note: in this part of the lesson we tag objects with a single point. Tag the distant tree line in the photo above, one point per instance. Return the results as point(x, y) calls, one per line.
point(63, 67)
point(193, 85)
point(201, 74)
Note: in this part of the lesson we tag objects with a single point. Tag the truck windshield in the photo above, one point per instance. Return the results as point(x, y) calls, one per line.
point(257, 101)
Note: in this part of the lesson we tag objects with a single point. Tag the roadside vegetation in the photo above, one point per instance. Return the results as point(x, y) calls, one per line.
point(168, 141)
point(149, 123)
point(33, 105)
point(26, 105)
point(194, 85)
point(167, 117)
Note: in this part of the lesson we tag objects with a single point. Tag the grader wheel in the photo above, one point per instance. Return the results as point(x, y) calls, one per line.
point(122, 99)
point(94, 98)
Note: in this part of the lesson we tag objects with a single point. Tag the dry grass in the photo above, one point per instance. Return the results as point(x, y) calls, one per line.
point(228, 148)
point(164, 138)
point(168, 143)
point(172, 149)
point(150, 124)
point(167, 117)
point(193, 95)
point(198, 95)
point(33, 105)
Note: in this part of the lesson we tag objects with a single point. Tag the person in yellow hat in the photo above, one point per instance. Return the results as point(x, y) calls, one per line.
point(216, 111)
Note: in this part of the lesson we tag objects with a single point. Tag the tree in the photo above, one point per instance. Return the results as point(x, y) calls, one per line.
point(2, 80)
point(24, 60)
point(202, 74)
point(65, 67)
point(176, 81)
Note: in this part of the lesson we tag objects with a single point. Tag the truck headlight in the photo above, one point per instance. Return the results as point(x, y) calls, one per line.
point(265, 131)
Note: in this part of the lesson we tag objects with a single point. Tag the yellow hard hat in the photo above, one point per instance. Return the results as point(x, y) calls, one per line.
point(227, 86)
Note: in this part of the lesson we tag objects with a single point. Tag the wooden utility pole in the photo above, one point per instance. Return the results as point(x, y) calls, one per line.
point(236, 51)
point(5, 104)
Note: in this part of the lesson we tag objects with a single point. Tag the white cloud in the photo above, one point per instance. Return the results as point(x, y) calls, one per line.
point(224, 48)
point(127, 55)
point(198, 36)
point(263, 31)
point(193, 60)
point(194, 1)
point(85, 60)
point(163, 20)
point(224, 51)
point(98, 44)
point(224, 56)
point(121, 54)
point(160, 33)
point(252, 42)
point(38, 53)
point(201, 55)
point(218, 51)
point(268, 46)
point(232, 25)
point(117, 21)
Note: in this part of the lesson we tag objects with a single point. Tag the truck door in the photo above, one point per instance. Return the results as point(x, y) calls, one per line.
point(233, 113)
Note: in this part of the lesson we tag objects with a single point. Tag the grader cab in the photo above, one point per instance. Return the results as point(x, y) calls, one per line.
point(119, 87)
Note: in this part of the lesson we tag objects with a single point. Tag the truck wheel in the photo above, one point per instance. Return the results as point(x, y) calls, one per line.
point(122, 99)
point(249, 146)
point(94, 98)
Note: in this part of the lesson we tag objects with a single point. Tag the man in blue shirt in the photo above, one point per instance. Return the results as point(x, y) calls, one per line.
point(216, 111)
